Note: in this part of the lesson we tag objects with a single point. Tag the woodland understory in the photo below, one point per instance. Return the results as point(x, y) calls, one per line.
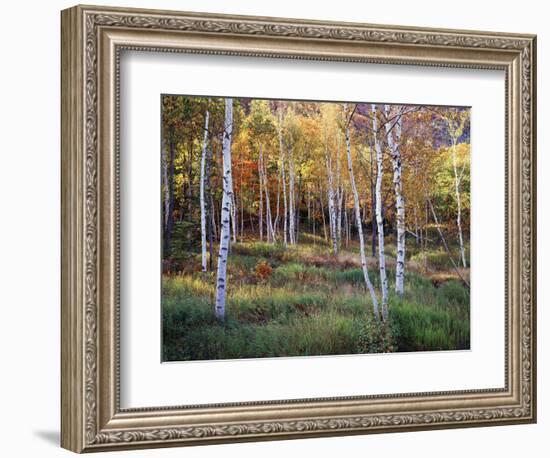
point(306, 228)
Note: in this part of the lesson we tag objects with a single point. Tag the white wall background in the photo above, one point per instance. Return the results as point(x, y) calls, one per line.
point(29, 232)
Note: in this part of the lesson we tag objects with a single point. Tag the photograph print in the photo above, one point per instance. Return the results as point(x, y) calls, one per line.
point(306, 228)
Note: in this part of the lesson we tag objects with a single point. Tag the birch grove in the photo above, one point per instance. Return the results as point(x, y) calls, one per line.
point(323, 194)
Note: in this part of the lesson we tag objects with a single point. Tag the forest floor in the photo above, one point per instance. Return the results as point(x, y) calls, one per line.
point(302, 301)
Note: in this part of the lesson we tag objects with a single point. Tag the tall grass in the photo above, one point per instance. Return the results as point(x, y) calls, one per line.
point(310, 304)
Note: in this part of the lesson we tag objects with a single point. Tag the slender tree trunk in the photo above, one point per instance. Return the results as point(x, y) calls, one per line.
point(210, 209)
point(426, 220)
point(373, 202)
point(285, 204)
point(221, 286)
point(242, 215)
point(395, 152)
point(445, 245)
point(283, 177)
point(364, 265)
point(339, 194)
point(418, 233)
point(213, 216)
point(379, 219)
point(313, 221)
point(331, 200)
point(308, 203)
point(278, 205)
point(261, 209)
point(298, 202)
point(269, 221)
point(340, 201)
point(252, 229)
point(321, 197)
point(202, 193)
point(241, 192)
point(170, 217)
point(234, 213)
point(346, 228)
point(291, 201)
point(459, 207)
point(166, 186)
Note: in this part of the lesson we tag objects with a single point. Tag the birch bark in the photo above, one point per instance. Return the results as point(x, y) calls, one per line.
point(283, 178)
point(291, 197)
point(359, 224)
point(330, 196)
point(269, 220)
point(170, 217)
point(393, 135)
point(221, 286)
point(458, 205)
point(166, 187)
point(261, 209)
point(202, 192)
point(379, 220)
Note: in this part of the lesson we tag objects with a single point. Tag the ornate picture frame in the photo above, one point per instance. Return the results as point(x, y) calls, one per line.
point(92, 40)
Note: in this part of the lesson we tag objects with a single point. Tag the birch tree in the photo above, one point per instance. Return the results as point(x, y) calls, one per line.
point(269, 220)
point(358, 219)
point(331, 197)
point(379, 219)
point(291, 198)
point(283, 177)
point(456, 121)
point(170, 184)
point(165, 183)
point(260, 191)
point(202, 193)
point(227, 183)
point(339, 193)
point(393, 135)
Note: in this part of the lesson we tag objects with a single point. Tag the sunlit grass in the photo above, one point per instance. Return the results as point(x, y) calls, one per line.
point(312, 303)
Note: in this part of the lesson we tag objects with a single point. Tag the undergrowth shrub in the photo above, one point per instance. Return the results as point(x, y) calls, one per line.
point(263, 270)
point(377, 337)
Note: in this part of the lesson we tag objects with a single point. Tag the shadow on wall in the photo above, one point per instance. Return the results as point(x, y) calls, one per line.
point(52, 437)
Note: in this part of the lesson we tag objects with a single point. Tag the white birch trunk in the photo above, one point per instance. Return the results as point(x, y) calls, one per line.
point(269, 221)
point(202, 193)
point(234, 215)
point(359, 225)
point(221, 286)
point(395, 153)
point(331, 200)
point(291, 216)
point(261, 209)
point(283, 177)
point(277, 206)
point(339, 195)
point(166, 187)
point(323, 212)
point(459, 206)
point(285, 204)
point(379, 220)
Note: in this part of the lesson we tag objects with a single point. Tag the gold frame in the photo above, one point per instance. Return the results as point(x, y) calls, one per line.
point(92, 39)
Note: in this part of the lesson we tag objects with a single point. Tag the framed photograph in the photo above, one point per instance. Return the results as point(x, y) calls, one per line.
point(278, 228)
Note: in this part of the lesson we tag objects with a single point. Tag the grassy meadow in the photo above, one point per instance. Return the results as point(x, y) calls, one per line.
point(271, 209)
point(303, 300)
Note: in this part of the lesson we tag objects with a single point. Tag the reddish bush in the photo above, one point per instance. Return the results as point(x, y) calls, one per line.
point(263, 270)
